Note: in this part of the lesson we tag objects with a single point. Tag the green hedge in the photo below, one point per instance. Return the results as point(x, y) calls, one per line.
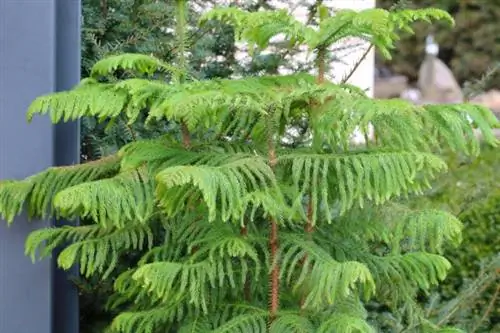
point(469, 48)
point(471, 190)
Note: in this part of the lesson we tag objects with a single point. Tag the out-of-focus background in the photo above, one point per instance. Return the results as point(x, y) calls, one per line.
point(471, 49)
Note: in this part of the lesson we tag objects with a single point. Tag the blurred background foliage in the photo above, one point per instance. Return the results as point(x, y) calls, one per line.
point(470, 295)
point(469, 298)
point(147, 26)
point(469, 49)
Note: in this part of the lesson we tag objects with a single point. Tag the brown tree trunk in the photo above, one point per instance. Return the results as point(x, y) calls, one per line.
point(186, 136)
point(274, 283)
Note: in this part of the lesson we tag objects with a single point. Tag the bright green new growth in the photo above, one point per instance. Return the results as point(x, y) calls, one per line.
point(202, 208)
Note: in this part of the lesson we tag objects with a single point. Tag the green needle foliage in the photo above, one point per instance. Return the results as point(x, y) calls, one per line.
point(114, 27)
point(243, 228)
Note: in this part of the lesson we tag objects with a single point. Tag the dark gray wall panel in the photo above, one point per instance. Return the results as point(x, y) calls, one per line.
point(34, 60)
point(66, 149)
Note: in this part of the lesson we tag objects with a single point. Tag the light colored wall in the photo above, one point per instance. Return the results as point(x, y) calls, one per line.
point(353, 48)
point(364, 76)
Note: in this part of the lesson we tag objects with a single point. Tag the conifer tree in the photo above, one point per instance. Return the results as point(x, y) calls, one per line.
point(256, 212)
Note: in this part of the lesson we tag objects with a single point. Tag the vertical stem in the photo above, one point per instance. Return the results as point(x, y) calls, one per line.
point(244, 231)
point(104, 8)
point(274, 283)
point(132, 132)
point(186, 136)
point(246, 287)
point(321, 65)
point(322, 13)
point(180, 33)
point(320, 79)
point(274, 277)
point(309, 228)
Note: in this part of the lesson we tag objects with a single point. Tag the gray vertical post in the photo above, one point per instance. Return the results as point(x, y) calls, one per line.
point(66, 149)
point(34, 60)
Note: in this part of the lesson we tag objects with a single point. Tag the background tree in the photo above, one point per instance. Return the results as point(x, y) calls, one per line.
point(144, 26)
point(147, 26)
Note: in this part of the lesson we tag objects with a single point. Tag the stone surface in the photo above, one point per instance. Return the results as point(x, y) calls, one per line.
point(437, 83)
point(490, 99)
point(412, 94)
point(390, 87)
